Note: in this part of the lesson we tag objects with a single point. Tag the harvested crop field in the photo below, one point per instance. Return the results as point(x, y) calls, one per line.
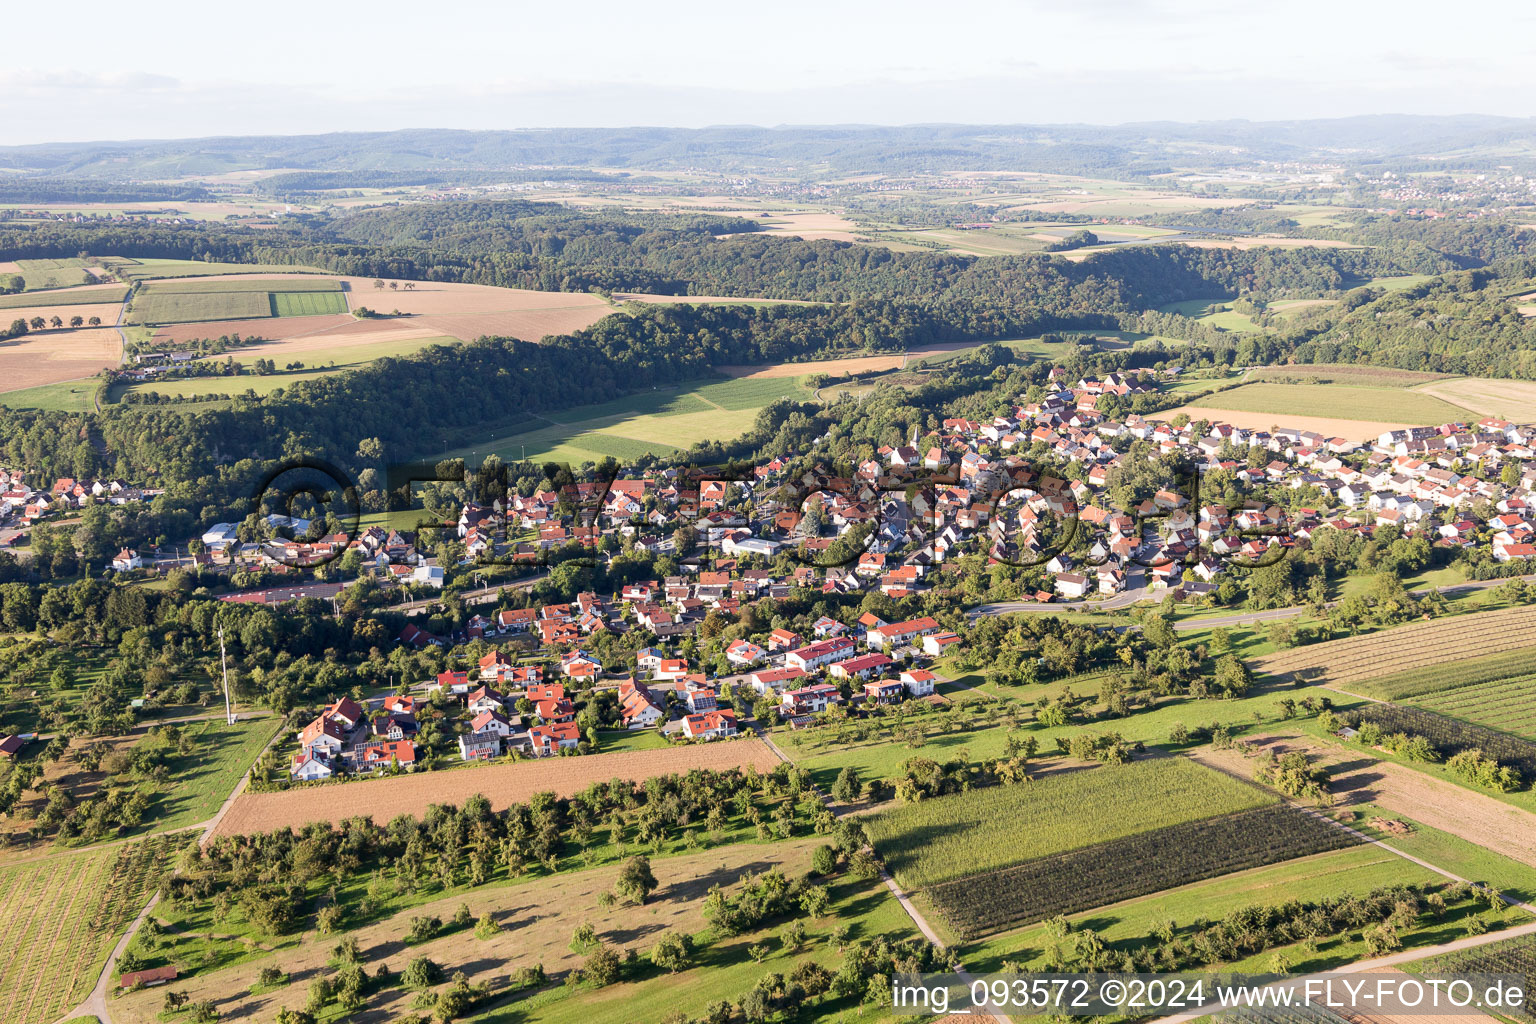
point(276, 329)
point(676, 300)
point(525, 325)
point(1275, 398)
point(441, 297)
point(1506, 399)
point(106, 312)
point(1440, 641)
point(49, 357)
point(352, 349)
point(1353, 430)
point(833, 367)
point(1443, 805)
point(504, 784)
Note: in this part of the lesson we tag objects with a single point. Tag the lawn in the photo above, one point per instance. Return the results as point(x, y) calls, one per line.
point(1395, 284)
point(1391, 405)
point(1454, 854)
point(944, 838)
point(231, 385)
point(65, 396)
point(658, 422)
point(609, 740)
point(202, 780)
point(1152, 726)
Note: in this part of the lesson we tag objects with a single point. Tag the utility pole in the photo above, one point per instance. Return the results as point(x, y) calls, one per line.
point(229, 712)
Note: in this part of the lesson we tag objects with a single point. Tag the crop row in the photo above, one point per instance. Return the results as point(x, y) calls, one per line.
point(949, 837)
point(1509, 706)
point(1515, 956)
point(1439, 678)
point(1133, 866)
point(1452, 736)
point(1399, 650)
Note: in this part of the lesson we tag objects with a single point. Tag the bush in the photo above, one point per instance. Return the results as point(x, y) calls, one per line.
point(584, 937)
point(1481, 770)
point(602, 967)
point(486, 927)
point(423, 928)
point(673, 952)
point(824, 860)
point(421, 973)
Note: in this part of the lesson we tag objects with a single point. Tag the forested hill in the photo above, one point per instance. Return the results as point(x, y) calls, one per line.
point(547, 246)
point(204, 455)
point(1466, 323)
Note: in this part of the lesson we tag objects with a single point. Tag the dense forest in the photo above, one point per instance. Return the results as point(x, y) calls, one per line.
point(546, 246)
point(92, 190)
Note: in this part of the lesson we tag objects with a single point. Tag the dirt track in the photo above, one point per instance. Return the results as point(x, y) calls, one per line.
point(1357, 779)
point(505, 784)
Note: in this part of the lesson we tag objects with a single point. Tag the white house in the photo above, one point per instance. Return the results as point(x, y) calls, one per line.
point(918, 681)
point(309, 767)
point(127, 560)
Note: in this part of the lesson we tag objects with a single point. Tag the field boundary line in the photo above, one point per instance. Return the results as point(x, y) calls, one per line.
point(1351, 830)
point(902, 898)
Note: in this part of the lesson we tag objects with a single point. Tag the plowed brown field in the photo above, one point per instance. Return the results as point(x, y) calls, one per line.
point(505, 784)
point(1446, 806)
point(276, 328)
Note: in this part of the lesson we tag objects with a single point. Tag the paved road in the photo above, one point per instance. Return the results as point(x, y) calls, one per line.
point(1130, 597)
point(1123, 600)
point(481, 595)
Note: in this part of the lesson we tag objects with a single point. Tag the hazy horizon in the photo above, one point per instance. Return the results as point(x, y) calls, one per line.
point(176, 70)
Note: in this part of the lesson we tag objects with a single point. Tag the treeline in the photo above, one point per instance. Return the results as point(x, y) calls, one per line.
point(1434, 244)
point(85, 190)
point(444, 389)
point(1463, 323)
point(534, 245)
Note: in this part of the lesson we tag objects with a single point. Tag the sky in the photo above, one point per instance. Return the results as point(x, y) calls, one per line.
point(176, 69)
